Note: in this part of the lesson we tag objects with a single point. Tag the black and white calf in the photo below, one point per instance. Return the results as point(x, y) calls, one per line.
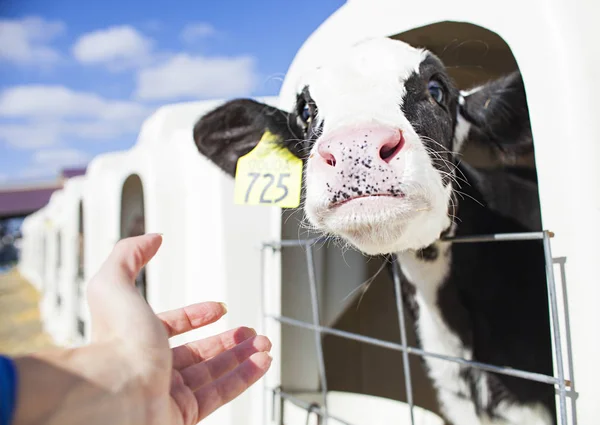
point(380, 127)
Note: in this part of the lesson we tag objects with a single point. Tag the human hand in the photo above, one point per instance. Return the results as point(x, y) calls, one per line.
point(129, 370)
point(184, 384)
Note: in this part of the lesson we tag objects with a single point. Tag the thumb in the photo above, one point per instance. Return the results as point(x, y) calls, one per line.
point(111, 293)
point(128, 257)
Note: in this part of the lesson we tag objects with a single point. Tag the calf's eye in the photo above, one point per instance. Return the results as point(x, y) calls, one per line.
point(436, 91)
point(306, 113)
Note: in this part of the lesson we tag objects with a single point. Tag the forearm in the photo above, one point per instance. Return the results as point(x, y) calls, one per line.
point(75, 386)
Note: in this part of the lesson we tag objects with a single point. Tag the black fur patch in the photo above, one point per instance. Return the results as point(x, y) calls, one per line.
point(434, 122)
point(429, 253)
point(235, 128)
point(499, 115)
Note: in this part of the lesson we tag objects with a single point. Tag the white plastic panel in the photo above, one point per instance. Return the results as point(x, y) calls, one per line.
point(356, 409)
point(65, 332)
point(554, 44)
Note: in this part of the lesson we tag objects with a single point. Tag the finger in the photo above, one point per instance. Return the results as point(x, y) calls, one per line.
point(204, 349)
point(229, 386)
point(115, 282)
point(128, 257)
point(192, 317)
point(206, 372)
point(185, 405)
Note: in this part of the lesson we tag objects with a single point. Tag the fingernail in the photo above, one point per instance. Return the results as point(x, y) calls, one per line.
point(253, 331)
point(224, 307)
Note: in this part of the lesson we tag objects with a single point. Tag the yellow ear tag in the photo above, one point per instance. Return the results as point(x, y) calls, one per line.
point(268, 175)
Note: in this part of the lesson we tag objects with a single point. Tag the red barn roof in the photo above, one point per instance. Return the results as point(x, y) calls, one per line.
point(25, 199)
point(68, 173)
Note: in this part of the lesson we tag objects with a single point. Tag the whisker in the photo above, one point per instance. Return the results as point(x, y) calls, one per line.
point(461, 194)
point(364, 287)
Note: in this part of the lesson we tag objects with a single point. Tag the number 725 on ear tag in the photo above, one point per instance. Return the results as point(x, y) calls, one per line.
point(268, 175)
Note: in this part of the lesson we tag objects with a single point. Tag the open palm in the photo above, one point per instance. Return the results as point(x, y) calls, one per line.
point(168, 386)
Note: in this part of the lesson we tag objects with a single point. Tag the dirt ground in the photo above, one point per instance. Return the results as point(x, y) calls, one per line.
point(20, 326)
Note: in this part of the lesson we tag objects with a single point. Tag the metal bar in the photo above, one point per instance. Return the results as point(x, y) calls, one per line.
point(573, 392)
point(405, 359)
point(312, 278)
point(308, 406)
point(496, 237)
point(556, 325)
point(532, 376)
point(313, 409)
point(263, 321)
point(293, 243)
point(405, 349)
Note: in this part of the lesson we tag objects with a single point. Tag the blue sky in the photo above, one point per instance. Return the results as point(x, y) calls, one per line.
point(78, 78)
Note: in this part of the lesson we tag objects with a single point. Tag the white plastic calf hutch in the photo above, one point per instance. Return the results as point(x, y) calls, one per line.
point(209, 251)
point(32, 248)
point(210, 246)
point(41, 258)
point(67, 240)
point(50, 260)
point(50, 300)
point(554, 46)
point(160, 185)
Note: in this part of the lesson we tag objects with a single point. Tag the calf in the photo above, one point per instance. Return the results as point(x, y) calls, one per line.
point(380, 127)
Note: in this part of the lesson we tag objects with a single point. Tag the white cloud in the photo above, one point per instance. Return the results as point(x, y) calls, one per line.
point(40, 116)
point(48, 101)
point(47, 163)
point(60, 158)
point(30, 135)
point(117, 47)
point(26, 41)
point(185, 76)
point(193, 32)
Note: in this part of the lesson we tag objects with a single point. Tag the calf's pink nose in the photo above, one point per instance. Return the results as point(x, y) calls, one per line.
point(359, 144)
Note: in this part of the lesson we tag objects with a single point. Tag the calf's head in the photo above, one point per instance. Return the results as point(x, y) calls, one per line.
point(379, 127)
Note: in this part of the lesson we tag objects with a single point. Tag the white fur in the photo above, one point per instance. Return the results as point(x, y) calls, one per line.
point(436, 337)
point(364, 83)
point(520, 415)
point(460, 132)
point(466, 93)
point(362, 86)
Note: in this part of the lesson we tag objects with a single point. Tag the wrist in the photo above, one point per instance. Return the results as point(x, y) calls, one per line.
point(74, 386)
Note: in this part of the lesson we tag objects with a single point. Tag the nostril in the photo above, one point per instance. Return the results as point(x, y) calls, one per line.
point(390, 149)
point(325, 153)
point(329, 159)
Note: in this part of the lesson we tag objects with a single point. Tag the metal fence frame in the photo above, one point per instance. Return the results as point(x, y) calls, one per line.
point(559, 381)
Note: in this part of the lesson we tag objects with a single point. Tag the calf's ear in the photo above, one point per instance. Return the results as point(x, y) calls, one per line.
point(233, 129)
point(496, 115)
